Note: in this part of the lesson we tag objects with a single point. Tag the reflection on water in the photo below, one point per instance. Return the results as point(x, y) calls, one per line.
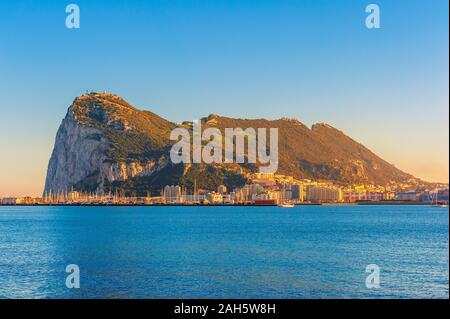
point(224, 252)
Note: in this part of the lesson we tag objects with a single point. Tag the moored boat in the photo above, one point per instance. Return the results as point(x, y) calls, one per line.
point(286, 205)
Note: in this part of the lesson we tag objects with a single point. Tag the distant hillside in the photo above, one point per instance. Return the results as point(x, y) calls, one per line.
point(104, 144)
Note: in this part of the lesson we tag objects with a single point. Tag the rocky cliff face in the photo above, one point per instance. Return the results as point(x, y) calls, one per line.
point(79, 161)
point(104, 144)
point(76, 155)
point(83, 157)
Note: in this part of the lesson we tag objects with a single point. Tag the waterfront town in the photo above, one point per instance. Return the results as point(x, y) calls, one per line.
point(265, 189)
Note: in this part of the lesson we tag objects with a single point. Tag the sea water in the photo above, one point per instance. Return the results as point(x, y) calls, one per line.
point(224, 252)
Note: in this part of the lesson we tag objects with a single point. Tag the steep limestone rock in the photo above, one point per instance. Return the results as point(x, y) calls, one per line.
point(105, 144)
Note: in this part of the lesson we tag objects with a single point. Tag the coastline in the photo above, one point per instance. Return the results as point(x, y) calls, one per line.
point(361, 203)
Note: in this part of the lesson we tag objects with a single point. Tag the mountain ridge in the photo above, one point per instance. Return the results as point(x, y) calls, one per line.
point(105, 144)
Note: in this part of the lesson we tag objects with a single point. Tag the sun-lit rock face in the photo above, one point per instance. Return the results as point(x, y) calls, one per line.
point(104, 144)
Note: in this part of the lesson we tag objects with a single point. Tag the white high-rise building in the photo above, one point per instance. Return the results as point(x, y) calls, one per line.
point(172, 194)
point(324, 194)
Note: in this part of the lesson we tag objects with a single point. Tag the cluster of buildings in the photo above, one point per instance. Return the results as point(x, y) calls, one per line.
point(265, 189)
point(174, 194)
point(272, 189)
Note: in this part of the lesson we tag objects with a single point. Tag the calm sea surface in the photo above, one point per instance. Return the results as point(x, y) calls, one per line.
point(224, 252)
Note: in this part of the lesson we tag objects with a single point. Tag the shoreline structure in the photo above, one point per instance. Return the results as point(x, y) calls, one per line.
point(362, 203)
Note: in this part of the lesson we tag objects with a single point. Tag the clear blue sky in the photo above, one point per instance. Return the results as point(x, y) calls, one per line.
point(313, 60)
